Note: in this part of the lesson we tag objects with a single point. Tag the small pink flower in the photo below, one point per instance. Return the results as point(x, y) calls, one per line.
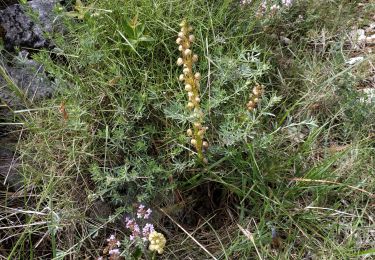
point(148, 214)
point(115, 251)
point(287, 2)
point(147, 229)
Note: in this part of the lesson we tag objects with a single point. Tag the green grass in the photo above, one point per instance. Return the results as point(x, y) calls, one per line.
point(302, 164)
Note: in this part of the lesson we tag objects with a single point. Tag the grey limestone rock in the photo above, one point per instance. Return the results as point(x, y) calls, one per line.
point(5, 3)
point(30, 79)
point(19, 29)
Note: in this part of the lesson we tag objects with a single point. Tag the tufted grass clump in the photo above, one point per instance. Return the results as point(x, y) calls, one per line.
point(290, 168)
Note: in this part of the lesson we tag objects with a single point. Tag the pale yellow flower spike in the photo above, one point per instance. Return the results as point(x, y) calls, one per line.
point(185, 41)
point(157, 242)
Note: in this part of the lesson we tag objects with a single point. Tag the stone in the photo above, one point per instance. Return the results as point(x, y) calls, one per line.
point(28, 76)
point(8, 165)
point(358, 38)
point(6, 3)
point(21, 30)
point(354, 60)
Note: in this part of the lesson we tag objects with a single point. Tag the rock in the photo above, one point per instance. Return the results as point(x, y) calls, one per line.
point(354, 60)
point(370, 40)
point(30, 79)
point(369, 95)
point(8, 166)
point(5, 3)
point(370, 28)
point(285, 40)
point(20, 30)
point(358, 38)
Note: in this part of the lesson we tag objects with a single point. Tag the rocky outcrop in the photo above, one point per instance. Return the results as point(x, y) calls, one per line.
point(28, 76)
point(5, 3)
point(21, 29)
point(22, 80)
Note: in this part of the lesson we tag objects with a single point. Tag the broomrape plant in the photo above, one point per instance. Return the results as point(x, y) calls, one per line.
point(255, 97)
point(192, 87)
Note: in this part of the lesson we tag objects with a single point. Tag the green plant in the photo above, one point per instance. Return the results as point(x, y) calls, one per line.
point(298, 169)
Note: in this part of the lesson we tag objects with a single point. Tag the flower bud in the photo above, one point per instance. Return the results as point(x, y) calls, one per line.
point(180, 48)
point(186, 71)
point(183, 24)
point(178, 40)
point(190, 105)
point(256, 100)
point(197, 76)
point(197, 99)
point(201, 133)
point(195, 58)
point(183, 29)
point(188, 87)
point(190, 29)
point(191, 38)
point(251, 104)
point(181, 35)
point(180, 61)
point(197, 124)
point(205, 160)
point(181, 77)
point(205, 144)
point(187, 52)
point(193, 142)
point(189, 132)
point(190, 94)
